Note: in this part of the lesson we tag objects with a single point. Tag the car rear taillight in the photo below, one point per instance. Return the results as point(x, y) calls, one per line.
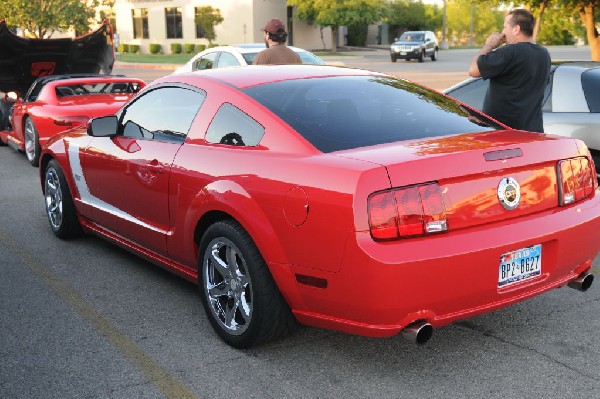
point(575, 180)
point(74, 120)
point(407, 212)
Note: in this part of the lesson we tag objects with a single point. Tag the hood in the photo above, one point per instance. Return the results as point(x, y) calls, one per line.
point(24, 60)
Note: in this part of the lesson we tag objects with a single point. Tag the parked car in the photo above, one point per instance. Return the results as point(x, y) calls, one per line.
point(415, 45)
point(236, 55)
point(58, 102)
point(571, 102)
point(288, 197)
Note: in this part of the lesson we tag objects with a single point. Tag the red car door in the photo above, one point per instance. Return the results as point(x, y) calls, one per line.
point(128, 175)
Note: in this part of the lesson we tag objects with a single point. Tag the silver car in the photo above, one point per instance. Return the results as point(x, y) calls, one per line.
point(236, 55)
point(571, 104)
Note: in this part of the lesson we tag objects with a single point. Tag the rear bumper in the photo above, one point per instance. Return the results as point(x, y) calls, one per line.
point(383, 287)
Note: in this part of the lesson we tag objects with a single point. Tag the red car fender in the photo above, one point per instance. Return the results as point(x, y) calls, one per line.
point(228, 197)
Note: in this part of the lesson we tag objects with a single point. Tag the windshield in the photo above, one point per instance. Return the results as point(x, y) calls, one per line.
point(344, 112)
point(411, 37)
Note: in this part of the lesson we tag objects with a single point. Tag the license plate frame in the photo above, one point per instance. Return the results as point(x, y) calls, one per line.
point(520, 265)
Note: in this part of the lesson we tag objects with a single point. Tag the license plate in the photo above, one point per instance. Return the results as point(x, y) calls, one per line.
point(403, 53)
point(519, 265)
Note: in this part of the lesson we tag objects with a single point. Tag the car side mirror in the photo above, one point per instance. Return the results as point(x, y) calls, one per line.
point(104, 126)
point(11, 97)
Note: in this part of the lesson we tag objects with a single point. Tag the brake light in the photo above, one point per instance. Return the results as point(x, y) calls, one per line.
point(576, 180)
point(74, 120)
point(407, 212)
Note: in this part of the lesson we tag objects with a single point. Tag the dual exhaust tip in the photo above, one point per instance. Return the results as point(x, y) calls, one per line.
point(420, 332)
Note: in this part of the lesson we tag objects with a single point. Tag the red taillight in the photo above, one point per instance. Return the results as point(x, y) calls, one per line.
point(74, 120)
point(576, 180)
point(407, 212)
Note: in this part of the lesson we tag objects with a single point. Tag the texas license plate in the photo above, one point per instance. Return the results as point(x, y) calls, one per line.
point(403, 53)
point(519, 265)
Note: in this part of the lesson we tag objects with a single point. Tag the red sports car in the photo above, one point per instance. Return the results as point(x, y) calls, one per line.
point(339, 198)
point(59, 102)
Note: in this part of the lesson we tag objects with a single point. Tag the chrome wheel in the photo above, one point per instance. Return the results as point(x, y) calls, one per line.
point(227, 285)
point(59, 203)
point(30, 140)
point(54, 202)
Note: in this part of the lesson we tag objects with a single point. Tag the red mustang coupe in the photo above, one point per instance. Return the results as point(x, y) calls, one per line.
point(58, 102)
point(333, 197)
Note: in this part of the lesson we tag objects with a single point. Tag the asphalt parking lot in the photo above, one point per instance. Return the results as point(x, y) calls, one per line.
point(85, 319)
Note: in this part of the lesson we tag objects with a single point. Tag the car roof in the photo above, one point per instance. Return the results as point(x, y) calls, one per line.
point(254, 75)
point(246, 48)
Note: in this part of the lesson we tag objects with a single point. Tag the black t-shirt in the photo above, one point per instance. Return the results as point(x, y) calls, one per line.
point(518, 75)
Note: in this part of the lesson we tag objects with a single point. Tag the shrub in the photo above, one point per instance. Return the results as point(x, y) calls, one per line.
point(201, 47)
point(189, 48)
point(155, 48)
point(123, 48)
point(134, 48)
point(175, 48)
point(357, 35)
point(213, 45)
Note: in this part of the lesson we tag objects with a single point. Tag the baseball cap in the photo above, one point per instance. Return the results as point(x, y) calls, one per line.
point(274, 26)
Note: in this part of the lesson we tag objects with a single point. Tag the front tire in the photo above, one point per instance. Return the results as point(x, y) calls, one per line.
point(32, 142)
point(60, 208)
point(394, 59)
point(421, 56)
point(239, 295)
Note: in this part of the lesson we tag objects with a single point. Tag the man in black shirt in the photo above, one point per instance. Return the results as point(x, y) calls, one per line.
point(518, 73)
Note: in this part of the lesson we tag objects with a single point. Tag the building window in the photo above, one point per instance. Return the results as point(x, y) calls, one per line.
point(140, 23)
point(199, 30)
point(174, 24)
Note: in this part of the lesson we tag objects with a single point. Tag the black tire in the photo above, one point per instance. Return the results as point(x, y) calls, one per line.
point(434, 55)
point(60, 208)
point(32, 142)
point(239, 295)
point(394, 59)
point(421, 56)
point(407, 59)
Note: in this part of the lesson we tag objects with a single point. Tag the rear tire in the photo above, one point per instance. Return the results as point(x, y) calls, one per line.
point(239, 295)
point(32, 142)
point(60, 208)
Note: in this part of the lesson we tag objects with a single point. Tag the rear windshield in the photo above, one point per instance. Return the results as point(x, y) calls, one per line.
point(340, 113)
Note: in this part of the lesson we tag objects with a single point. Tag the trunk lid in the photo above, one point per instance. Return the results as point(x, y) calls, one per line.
point(472, 171)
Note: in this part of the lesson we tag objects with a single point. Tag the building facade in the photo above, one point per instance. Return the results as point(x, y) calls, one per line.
point(145, 22)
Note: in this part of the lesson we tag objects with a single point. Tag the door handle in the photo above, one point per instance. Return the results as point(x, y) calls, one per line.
point(155, 167)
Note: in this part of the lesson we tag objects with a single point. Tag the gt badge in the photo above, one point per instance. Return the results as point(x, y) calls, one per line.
point(509, 193)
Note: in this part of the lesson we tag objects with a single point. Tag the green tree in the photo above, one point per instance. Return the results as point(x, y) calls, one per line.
point(336, 13)
point(208, 18)
point(403, 15)
point(471, 23)
point(41, 19)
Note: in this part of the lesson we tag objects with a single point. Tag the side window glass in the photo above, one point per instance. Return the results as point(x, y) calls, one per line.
point(206, 62)
point(232, 126)
point(227, 60)
point(163, 114)
point(547, 101)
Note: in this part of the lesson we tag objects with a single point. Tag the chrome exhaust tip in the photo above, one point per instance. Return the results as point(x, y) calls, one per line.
point(418, 332)
point(583, 282)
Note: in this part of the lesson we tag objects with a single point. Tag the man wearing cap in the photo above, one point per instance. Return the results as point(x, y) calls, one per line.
point(276, 52)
